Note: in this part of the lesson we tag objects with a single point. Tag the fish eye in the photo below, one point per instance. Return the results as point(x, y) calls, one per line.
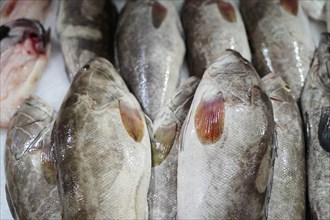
point(86, 67)
point(287, 88)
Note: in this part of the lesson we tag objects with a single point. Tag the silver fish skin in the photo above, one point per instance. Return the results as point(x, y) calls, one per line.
point(24, 49)
point(225, 157)
point(287, 200)
point(162, 195)
point(280, 39)
point(315, 105)
point(149, 52)
point(102, 148)
point(29, 163)
point(211, 27)
point(14, 9)
point(85, 30)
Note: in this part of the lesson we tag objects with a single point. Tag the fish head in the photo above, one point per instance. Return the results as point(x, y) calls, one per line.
point(229, 64)
point(100, 72)
point(20, 30)
point(276, 88)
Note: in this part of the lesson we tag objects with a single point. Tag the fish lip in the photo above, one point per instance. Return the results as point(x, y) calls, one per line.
point(30, 28)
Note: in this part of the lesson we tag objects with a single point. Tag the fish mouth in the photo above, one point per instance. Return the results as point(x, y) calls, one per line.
point(17, 31)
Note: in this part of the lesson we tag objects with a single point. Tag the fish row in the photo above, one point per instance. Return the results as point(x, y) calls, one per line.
point(237, 155)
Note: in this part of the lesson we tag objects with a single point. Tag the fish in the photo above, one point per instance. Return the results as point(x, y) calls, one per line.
point(25, 50)
point(14, 9)
point(315, 9)
point(287, 200)
point(165, 142)
point(227, 142)
point(280, 40)
point(102, 147)
point(211, 27)
point(315, 107)
point(85, 30)
point(29, 163)
point(149, 52)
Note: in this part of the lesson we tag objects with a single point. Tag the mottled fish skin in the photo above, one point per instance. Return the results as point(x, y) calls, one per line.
point(315, 104)
point(102, 148)
point(150, 51)
point(85, 30)
point(29, 163)
point(280, 39)
point(15, 9)
point(225, 156)
point(25, 49)
point(211, 27)
point(162, 195)
point(288, 200)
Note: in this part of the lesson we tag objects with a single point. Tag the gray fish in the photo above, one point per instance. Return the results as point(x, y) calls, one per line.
point(211, 27)
point(225, 157)
point(29, 163)
point(86, 30)
point(315, 104)
point(162, 195)
point(287, 200)
point(102, 148)
point(280, 39)
point(150, 51)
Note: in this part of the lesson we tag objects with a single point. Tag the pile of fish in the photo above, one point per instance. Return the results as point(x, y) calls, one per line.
point(247, 136)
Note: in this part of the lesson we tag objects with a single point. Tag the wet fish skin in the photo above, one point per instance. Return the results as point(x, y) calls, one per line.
point(14, 9)
point(315, 9)
point(102, 148)
point(211, 27)
point(315, 105)
point(287, 199)
point(86, 30)
point(225, 156)
point(280, 39)
point(149, 52)
point(25, 49)
point(29, 164)
point(162, 195)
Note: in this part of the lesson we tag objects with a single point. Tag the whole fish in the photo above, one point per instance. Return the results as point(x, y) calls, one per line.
point(29, 163)
point(150, 51)
point(15, 9)
point(315, 9)
point(287, 200)
point(25, 48)
point(225, 156)
point(162, 195)
point(211, 27)
point(102, 148)
point(280, 39)
point(85, 30)
point(315, 104)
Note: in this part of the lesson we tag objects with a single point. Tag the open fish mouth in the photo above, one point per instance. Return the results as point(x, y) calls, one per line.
point(19, 30)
